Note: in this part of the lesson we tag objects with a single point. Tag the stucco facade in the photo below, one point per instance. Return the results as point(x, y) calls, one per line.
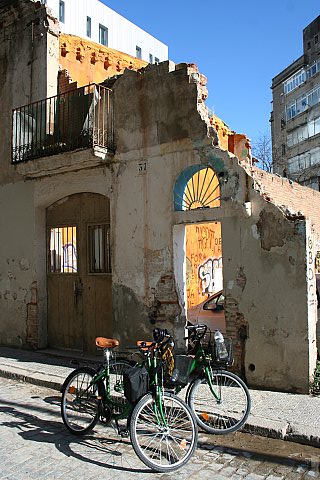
point(162, 132)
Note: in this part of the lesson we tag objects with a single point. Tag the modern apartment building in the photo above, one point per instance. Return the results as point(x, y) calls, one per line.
point(295, 119)
point(93, 20)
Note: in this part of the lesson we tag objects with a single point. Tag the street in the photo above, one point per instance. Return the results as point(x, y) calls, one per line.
point(34, 444)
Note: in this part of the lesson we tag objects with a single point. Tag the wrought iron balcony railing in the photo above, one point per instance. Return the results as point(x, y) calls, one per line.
point(81, 118)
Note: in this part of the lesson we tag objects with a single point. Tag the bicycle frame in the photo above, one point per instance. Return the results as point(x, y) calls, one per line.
point(201, 360)
point(152, 366)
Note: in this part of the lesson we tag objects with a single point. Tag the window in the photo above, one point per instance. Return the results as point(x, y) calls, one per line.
point(294, 81)
point(313, 69)
point(61, 11)
point(103, 35)
point(138, 52)
point(316, 39)
point(63, 250)
point(304, 160)
point(308, 45)
point(197, 187)
point(89, 27)
point(302, 103)
point(283, 149)
point(99, 248)
point(156, 60)
point(150, 58)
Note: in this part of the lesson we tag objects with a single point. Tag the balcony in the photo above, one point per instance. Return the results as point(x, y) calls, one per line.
point(79, 119)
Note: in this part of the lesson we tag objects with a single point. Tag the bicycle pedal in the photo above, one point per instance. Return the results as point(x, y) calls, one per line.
point(123, 432)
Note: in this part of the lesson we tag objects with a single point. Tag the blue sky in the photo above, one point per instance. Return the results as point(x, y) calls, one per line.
point(239, 45)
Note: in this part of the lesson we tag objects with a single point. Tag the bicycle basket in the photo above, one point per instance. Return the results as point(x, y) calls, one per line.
point(181, 371)
point(135, 383)
point(212, 350)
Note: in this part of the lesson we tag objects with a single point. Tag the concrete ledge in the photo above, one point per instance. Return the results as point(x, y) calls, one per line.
point(39, 379)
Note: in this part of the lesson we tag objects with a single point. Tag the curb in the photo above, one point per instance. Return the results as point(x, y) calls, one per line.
point(256, 426)
point(38, 379)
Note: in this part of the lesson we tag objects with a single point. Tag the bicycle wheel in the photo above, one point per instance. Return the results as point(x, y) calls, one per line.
point(79, 402)
point(226, 413)
point(116, 369)
point(163, 448)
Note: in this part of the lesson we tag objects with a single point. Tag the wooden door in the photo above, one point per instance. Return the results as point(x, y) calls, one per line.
point(79, 271)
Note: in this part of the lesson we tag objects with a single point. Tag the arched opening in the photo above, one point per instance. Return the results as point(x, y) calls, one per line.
point(199, 268)
point(79, 278)
point(197, 187)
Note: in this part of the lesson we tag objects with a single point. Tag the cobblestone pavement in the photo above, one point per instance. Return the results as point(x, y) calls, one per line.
point(34, 444)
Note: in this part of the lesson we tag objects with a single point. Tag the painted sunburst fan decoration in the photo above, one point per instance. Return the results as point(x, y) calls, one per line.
point(202, 190)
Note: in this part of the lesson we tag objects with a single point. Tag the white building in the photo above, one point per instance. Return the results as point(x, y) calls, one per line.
point(93, 19)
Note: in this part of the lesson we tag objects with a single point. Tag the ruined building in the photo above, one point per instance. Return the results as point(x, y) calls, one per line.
point(295, 120)
point(95, 207)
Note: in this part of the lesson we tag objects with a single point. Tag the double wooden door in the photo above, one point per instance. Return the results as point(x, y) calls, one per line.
point(79, 279)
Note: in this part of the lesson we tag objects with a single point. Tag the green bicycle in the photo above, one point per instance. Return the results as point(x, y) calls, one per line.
point(162, 428)
point(219, 399)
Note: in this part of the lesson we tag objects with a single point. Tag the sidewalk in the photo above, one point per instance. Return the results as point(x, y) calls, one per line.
point(278, 415)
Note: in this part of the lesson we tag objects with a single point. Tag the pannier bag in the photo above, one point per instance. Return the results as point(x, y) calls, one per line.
point(135, 383)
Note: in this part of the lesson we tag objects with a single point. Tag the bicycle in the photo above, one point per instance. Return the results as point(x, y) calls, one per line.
point(219, 399)
point(163, 429)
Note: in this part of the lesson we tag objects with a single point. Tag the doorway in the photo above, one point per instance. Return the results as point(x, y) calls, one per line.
point(79, 279)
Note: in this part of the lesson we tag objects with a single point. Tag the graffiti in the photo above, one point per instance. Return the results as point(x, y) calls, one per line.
point(203, 261)
point(311, 273)
point(207, 239)
point(69, 258)
point(209, 274)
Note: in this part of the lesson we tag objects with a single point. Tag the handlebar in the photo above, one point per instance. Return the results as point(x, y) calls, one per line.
point(196, 331)
point(161, 337)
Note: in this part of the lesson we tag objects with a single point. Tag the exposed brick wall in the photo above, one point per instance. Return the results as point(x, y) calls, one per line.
point(166, 305)
point(65, 83)
point(32, 318)
point(237, 329)
point(299, 200)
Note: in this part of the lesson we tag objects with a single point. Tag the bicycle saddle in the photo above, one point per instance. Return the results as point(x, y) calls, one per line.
point(106, 342)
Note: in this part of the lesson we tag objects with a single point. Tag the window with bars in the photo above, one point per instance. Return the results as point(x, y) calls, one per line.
point(99, 248)
point(63, 250)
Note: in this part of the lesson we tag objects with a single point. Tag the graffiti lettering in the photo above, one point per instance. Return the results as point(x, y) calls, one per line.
point(311, 273)
point(209, 274)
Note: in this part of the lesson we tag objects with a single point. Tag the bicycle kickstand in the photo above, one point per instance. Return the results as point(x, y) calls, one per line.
point(122, 431)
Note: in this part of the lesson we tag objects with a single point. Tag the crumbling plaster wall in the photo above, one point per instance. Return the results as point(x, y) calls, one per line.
point(156, 123)
point(266, 296)
point(29, 54)
point(17, 272)
point(160, 132)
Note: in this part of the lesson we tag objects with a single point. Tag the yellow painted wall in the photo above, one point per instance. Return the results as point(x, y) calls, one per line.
point(89, 62)
point(204, 261)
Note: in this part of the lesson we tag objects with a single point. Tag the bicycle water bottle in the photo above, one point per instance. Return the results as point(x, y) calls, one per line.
point(222, 352)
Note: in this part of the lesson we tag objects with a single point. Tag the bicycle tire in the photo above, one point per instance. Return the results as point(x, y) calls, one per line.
point(80, 402)
point(226, 414)
point(163, 449)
